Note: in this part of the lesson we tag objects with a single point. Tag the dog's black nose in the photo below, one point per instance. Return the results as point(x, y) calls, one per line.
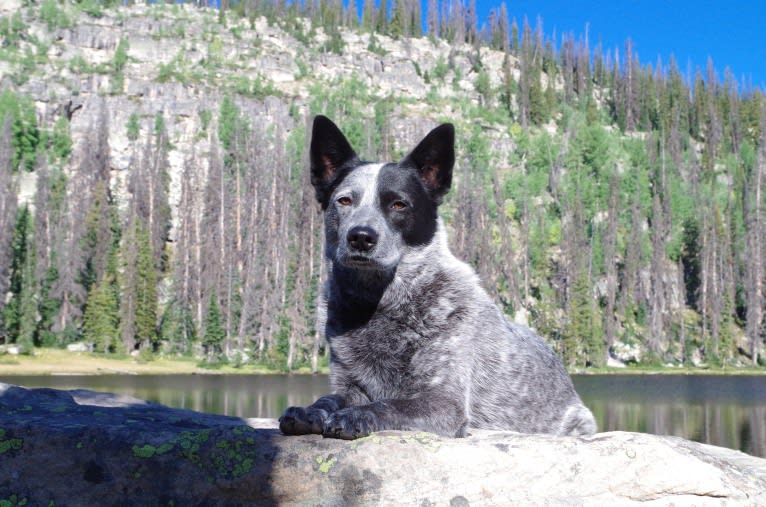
point(362, 239)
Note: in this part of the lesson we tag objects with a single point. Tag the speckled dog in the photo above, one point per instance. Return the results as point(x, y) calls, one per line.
point(416, 343)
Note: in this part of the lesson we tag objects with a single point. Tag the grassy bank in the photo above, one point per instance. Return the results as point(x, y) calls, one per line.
point(667, 370)
point(62, 362)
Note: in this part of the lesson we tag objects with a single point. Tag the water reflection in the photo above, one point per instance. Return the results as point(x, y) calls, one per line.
point(725, 411)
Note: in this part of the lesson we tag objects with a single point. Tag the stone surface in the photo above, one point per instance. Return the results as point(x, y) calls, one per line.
point(88, 448)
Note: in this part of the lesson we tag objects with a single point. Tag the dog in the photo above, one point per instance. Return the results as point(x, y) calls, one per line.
point(415, 342)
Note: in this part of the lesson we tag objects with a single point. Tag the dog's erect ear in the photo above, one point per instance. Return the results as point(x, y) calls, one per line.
point(433, 158)
point(330, 151)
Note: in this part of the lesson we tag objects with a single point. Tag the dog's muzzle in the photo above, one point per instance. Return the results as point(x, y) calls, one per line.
point(362, 239)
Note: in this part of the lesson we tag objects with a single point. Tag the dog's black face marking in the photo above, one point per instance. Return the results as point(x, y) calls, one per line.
point(408, 206)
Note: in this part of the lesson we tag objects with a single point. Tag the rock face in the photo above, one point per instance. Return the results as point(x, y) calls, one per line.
point(87, 448)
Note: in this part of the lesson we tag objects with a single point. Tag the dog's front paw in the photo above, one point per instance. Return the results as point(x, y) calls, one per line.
point(350, 423)
point(302, 421)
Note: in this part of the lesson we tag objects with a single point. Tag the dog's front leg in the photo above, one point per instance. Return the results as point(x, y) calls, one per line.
point(304, 421)
point(434, 414)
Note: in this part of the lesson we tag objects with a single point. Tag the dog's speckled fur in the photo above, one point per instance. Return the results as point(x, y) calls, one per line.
point(416, 343)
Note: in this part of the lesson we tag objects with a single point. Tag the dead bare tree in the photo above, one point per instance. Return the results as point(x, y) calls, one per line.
point(610, 259)
point(754, 265)
point(8, 205)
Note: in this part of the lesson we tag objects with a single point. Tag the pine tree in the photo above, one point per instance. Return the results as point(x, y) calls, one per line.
point(690, 261)
point(101, 318)
point(515, 37)
point(25, 135)
point(507, 89)
point(369, 14)
point(128, 283)
point(415, 19)
point(146, 290)
point(526, 75)
point(381, 18)
point(398, 26)
point(214, 332)
point(28, 300)
point(501, 33)
point(12, 312)
point(538, 104)
point(100, 234)
point(580, 327)
point(62, 139)
point(48, 307)
point(178, 330)
point(159, 188)
point(51, 187)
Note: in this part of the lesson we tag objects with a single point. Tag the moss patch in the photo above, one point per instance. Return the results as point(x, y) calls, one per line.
point(13, 501)
point(325, 464)
point(148, 451)
point(9, 444)
point(429, 440)
point(228, 455)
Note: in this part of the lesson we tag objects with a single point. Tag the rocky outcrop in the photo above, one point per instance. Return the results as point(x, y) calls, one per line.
point(88, 448)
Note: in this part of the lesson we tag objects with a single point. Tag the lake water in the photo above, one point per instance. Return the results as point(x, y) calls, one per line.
point(724, 411)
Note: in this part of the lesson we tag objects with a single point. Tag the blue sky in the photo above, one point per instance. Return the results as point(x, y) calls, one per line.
point(731, 32)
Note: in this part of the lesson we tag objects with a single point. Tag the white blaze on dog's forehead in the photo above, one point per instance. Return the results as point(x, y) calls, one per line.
point(362, 181)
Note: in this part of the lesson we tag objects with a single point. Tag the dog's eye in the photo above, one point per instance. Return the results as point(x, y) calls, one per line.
point(398, 205)
point(344, 201)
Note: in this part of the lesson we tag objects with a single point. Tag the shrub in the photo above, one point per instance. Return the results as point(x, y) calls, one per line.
point(54, 16)
point(133, 127)
point(25, 133)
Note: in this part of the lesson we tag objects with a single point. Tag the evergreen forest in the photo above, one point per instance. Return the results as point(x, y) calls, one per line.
point(154, 195)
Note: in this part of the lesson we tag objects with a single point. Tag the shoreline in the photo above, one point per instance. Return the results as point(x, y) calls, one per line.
point(55, 362)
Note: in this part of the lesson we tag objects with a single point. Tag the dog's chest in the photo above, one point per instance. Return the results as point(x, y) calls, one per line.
point(380, 355)
point(389, 351)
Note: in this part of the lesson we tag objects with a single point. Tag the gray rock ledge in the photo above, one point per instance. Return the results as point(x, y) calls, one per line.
point(71, 448)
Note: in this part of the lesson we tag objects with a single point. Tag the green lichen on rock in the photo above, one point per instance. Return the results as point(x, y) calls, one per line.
point(234, 457)
point(144, 451)
point(217, 455)
point(147, 451)
point(191, 442)
point(372, 437)
point(325, 464)
point(9, 444)
point(429, 440)
point(13, 501)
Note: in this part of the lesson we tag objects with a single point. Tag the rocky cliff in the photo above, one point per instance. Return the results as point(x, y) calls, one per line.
point(87, 448)
point(182, 60)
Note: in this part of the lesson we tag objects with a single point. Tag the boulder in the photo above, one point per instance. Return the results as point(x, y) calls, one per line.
point(78, 347)
point(87, 448)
